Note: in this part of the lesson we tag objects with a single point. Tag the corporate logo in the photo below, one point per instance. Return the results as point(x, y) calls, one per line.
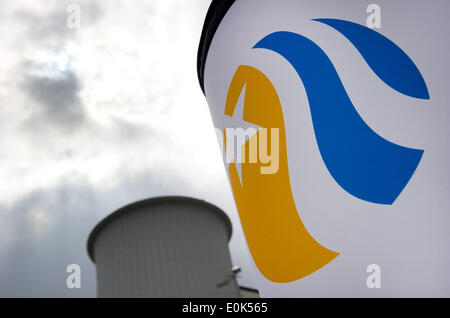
point(363, 163)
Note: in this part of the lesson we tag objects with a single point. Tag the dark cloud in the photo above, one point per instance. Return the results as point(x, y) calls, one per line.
point(55, 94)
point(34, 263)
point(56, 99)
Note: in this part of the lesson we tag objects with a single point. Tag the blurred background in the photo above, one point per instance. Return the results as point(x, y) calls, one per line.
point(96, 113)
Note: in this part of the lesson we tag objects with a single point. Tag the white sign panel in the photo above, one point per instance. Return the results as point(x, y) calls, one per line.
point(334, 120)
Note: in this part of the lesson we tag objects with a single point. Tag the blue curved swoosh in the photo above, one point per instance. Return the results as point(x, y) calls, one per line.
point(385, 58)
point(360, 161)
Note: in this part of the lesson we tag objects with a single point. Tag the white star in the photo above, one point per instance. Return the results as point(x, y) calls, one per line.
point(237, 122)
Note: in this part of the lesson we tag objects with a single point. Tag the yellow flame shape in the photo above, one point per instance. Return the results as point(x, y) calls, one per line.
point(280, 245)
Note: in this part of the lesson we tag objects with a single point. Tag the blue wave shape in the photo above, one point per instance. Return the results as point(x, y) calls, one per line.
point(364, 164)
point(389, 62)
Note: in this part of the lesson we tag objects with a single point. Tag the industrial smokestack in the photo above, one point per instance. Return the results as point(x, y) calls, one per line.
point(164, 247)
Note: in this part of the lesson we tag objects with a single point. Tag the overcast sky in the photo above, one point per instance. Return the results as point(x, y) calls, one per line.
point(94, 118)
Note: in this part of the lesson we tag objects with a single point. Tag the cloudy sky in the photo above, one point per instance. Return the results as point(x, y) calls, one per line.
point(91, 119)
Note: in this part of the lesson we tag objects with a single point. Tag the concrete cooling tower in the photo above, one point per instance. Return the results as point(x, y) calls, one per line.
point(164, 247)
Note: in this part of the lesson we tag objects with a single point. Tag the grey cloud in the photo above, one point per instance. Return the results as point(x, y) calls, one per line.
point(34, 263)
point(56, 96)
point(91, 13)
point(131, 131)
point(48, 31)
point(51, 30)
point(57, 100)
